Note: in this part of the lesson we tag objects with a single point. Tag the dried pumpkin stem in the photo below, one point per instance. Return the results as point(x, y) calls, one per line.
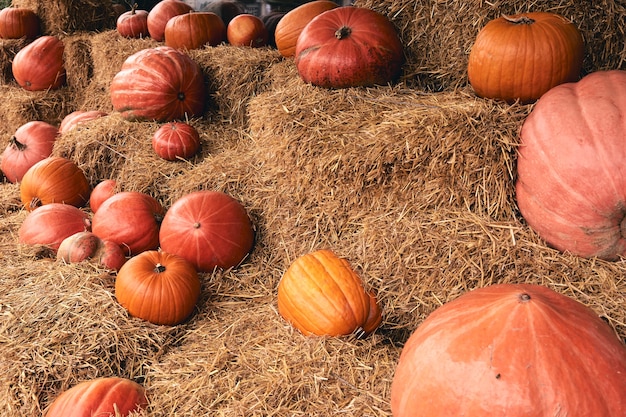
point(519, 20)
point(159, 268)
point(19, 145)
point(524, 297)
point(343, 32)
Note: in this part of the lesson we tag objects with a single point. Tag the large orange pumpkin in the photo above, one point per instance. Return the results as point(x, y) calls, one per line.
point(39, 65)
point(349, 47)
point(160, 84)
point(54, 180)
point(158, 287)
point(49, 225)
point(571, 181)
point(210, 229)
point(521, 57)
point(19, 22)
point(291, 24)
point(194, 30)
point(320, 294)
point(105, 396)
point(31, 143)
point(511, 350)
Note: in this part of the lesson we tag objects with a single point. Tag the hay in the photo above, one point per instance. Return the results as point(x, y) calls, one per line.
point(8, 49)
point(438, 34)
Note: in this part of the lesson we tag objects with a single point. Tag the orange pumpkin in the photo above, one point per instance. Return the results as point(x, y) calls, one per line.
point(31, 143)
point(511, 350)
point(161, 13)
point(102, 191)
point(54, 180)
point(133, 23)
point(291, 24)
point(194, 30)
point(176, 140)
point(158, 287)
point(320, 294)
point(49, 225)
point(19, 22)
point(39, 65)
point(247, 30)
point(521, 57)
point(112, 396)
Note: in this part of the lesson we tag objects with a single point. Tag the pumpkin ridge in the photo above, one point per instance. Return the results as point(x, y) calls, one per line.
point(294, 314)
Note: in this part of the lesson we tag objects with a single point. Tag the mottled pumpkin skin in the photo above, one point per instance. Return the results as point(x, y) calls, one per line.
point(520, 57)
point(511, 350)
point(571, 177)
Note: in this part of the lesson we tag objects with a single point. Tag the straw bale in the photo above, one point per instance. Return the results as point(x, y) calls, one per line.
point(438, 34)
point(78, 64)
point(62, 17)
point(8, 49)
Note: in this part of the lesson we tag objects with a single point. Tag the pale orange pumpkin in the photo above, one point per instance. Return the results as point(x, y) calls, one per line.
point(49, 225)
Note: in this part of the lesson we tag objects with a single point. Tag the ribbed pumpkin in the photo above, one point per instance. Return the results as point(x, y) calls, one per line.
point(161, 13)
point(210, 229)
point(194, 30)
point(106, 396)
point(161, 83)
point(349, 47)
point(49, 225)
point(54, 180)
point(511, 350)
point(131, 219)
point(291, 24)
point(520, 57)
point(19, 22)
point(158, 287)
point(133, 23)
point(571, 182)
point(176, 140)
point(31, 143)
point(320, 294)
point(39, 65)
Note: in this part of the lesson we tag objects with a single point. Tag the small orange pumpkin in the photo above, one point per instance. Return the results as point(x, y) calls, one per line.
point(320, 294)
point(158, 287)
point(176, 140)
point(194, 30)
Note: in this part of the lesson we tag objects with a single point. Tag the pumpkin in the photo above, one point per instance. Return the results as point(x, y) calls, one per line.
point(520, 57)
point(49, 225)
point(320, 294)
point(75, 118)
point(511, 350)
point(131, 219)
point(291, 24)
point(133, 23)
point(246, 30)
point(210, 229)
point(54, 180)
point(104, 396)
point(102, 191)
point(349, 47)
point(176, 140)
point(19, 22)
point(270, 21)
point(86, 246)
point(31, 142)
point(161, 13)
point(570, 178)
point(225, 9)
point(194, 30)
point(39, 65)
point(158, 287)
point(160, 84)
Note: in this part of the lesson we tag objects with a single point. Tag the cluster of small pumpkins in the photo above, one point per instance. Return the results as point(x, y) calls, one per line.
point(500, 350)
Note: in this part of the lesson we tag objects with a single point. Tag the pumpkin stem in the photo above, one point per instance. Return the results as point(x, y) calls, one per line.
point(524, 297)
point(159, 268)
point(519, 20)
point(343, 32)
point(34, 203)
point(196, 225)
point(181, 96)
point(19, 145)
point(133, 8)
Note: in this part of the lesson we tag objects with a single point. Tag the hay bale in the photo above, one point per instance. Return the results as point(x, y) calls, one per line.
point(8, 49)
point(62, 17)
point(438, 34)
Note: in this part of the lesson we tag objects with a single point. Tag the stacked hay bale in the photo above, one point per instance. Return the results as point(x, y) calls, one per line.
point(414, 188)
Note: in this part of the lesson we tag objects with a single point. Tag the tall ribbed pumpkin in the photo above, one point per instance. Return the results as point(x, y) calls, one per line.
point(520, 57)
point(320, 294)
point(161, 83)
point(511, 350)
point(571, 177)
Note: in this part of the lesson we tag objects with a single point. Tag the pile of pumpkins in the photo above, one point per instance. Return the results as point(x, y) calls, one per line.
point(501, 350)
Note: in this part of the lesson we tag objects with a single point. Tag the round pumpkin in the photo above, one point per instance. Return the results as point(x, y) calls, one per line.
point(31, 143)
point(133, 23)
point(194, 30)
point(320, 294)
point(511, 350)
point(130, 219)
point(570, 178)
point(291, 24)
point(39, 65)
point(209, 229)
point(161, 13)
point(161, 84)
point(158, 287)
point(54, 180)
point(349, 47)
point(520, 57)
point(102, 191)
point(247, 30)
point(75, 118)
point(49, 225)
point(100, 397)
point(19, 22)
point(176, 140)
